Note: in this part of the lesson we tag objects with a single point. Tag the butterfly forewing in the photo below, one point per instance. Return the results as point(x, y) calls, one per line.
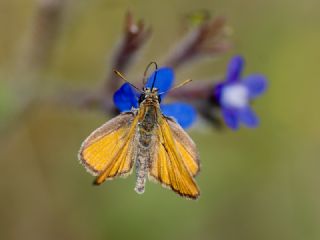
point(108, 151)
point(169, 166)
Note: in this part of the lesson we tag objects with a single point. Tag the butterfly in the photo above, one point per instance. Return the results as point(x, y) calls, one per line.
point(156, 144)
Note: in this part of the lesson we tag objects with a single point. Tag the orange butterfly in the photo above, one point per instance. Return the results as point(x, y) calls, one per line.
point(159, 147)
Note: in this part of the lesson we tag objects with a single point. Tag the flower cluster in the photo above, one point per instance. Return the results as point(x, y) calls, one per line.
point(233, 96)
point(226, 102)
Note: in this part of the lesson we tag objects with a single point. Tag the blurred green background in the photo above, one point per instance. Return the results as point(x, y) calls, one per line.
point(255, 184)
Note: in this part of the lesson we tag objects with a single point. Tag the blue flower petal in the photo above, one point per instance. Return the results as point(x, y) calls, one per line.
point(217, 90)
point(183, 113)
point(234, 69)
point(256, 83)
point(231, 118)
point(163, 81)
point(125, 98)
point(248, 117)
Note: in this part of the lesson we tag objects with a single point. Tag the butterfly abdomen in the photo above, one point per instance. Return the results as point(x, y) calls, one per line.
point(145, 145)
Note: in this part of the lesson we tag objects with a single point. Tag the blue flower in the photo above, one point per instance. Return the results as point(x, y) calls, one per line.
point(126, 98)
point(235, 94)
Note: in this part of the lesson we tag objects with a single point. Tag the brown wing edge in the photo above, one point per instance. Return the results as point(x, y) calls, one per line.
point(106, 128)
point(179, 133)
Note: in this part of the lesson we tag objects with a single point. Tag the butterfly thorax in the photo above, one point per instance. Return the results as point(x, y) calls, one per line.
point(148, 112)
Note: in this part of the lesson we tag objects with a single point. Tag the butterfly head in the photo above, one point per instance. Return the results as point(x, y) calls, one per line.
point(149, 95)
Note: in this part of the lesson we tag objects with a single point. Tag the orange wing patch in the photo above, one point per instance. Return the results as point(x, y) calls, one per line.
point(107, 152)
point(168, 166)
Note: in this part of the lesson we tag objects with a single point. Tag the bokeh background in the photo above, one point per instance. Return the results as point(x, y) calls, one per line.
point(255, 184)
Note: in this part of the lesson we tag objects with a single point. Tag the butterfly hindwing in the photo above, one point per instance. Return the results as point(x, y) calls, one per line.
point(185, 146)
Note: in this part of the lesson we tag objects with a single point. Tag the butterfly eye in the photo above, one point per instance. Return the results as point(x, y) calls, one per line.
point(141, 98)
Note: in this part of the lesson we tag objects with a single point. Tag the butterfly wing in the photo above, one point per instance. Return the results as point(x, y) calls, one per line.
point(170, 166)
point(185, 146)
point(107, 152)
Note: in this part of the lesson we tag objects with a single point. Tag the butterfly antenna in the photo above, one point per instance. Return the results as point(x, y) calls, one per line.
point(119, 74)
point(178, 86)
point(146, 71)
